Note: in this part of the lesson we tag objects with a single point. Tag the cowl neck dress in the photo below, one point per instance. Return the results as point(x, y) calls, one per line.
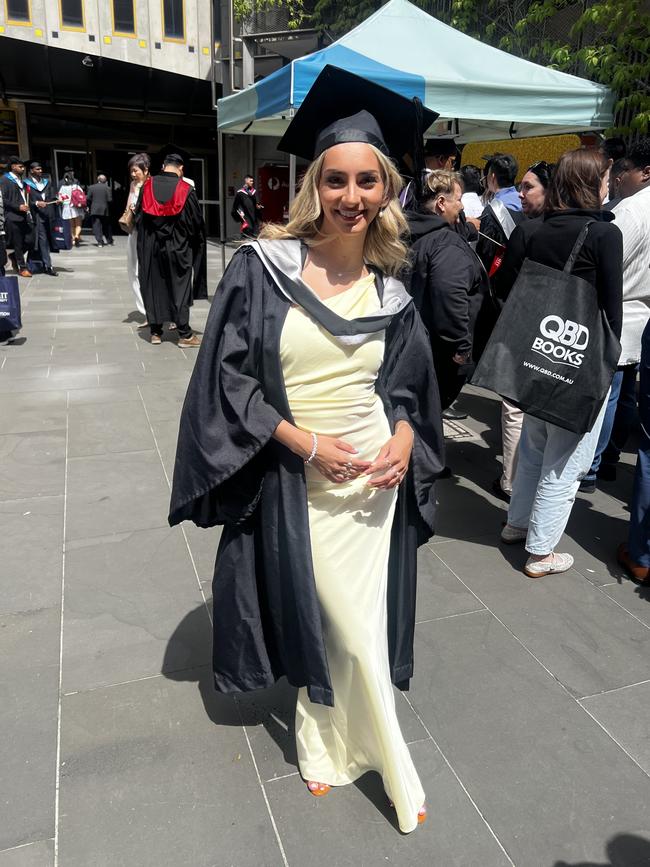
point(331, 391)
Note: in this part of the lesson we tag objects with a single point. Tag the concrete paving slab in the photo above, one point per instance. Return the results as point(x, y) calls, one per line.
point(81, 396)
point(9, 386)
point(38, 854)
point(549, 781)
point(166, 433)
point(115, 494)
point(15, 368)
point(163, 400)
point(587, 642)
point(32, 546)
point(624, 715)
point(440, 593)
point(96, 429)
point(466, 511)
point(32, 464)
point(171, 779)
point(593, 537)
point(125, 597)
point(29, 685)
point(631, 597)
point(27, 412)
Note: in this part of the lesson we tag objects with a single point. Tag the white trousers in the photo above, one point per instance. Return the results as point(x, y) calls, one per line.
point(511, 422)
point(552, 461)
point(132, 270)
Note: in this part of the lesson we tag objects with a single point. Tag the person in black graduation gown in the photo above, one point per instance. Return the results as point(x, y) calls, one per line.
point(246, 209)
point(43, 203)
point(19, 223)
point(171, 235)
point(312, 431)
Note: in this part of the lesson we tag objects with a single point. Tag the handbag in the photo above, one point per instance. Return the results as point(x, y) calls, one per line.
point(127, 221)
point(552, 353)
point(10, 318)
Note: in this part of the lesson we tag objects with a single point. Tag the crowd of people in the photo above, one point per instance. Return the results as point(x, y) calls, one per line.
point(166, 248)
point(34, 209)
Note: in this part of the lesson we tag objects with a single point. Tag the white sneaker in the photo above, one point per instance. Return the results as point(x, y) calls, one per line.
point(556, 563)
point(512, 535)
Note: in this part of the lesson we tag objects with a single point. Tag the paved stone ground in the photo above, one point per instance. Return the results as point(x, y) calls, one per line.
point(528, 713)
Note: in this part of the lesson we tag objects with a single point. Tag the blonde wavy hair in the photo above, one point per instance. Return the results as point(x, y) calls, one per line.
point(384, 247)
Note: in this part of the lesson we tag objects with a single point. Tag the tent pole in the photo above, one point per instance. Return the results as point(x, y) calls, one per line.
point(292, 179)
point(222, 198)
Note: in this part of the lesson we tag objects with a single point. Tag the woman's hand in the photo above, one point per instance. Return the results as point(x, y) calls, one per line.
point(334, 460)
point(393, 459)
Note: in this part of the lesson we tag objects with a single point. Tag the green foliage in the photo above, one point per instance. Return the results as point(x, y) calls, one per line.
point(244, 9)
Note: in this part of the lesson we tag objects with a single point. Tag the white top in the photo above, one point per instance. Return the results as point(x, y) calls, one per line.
point(633, 219)
point(472, 205)
point(69, 211)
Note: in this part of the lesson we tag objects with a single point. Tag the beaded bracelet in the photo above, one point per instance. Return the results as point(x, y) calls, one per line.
point(314, 448)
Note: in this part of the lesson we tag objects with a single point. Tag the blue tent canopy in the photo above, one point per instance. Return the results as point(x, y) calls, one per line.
point(480, 92)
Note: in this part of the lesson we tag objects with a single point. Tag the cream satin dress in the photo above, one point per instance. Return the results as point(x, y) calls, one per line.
point(331, 391)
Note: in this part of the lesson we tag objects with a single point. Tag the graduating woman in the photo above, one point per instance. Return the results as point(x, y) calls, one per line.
point(311, 429)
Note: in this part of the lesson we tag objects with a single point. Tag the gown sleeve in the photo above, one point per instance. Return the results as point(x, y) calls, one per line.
point(226, 421)
point(412, 389)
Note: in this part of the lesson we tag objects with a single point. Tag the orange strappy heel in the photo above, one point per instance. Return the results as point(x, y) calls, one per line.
point(318, 790)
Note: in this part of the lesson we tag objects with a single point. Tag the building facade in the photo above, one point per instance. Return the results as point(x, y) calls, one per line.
point(87, 83)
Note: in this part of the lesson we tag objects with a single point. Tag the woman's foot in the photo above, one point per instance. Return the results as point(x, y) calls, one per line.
point(512, 535)
point(547, 564)
point(317, 789)
point(422, 812)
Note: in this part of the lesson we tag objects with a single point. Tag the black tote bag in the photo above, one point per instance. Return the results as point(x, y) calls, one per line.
point(552, 352)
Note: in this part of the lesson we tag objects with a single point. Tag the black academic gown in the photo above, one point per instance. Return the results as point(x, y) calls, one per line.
point(46, 215)
point(229, 470)
point(247, 203)
point(167, 249)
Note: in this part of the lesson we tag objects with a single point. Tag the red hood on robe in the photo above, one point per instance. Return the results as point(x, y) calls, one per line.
point(172, 207)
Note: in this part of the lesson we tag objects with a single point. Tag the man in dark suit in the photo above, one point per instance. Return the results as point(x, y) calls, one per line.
point(19, 225)
point(99, 198)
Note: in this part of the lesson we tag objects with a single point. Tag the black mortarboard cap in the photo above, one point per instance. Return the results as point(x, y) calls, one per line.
point(343, 107)
point(435, 147)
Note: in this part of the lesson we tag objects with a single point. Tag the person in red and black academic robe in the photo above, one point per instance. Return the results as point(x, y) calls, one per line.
point(246, 209)
point(169, 222)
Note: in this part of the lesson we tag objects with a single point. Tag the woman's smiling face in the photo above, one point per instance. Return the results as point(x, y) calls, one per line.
point(351, 189)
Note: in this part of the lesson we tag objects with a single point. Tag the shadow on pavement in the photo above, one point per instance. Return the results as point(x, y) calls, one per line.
point(272, 708)
point(134, 316)
point(623, 850)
